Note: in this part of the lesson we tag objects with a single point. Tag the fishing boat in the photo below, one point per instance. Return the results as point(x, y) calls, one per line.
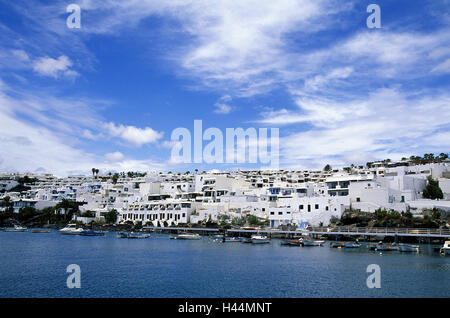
point(291, 242)
point(133, 235)
point(445, 250)
point(16, 228)
point(71, 229)
point(408, 248)
point(337, 244)
point(40, 231)
point(386, 247)
point(92, 233)
point(311, 242)
point(352, 245)
point(260, 239)
point(231, 239)
point(188, 236)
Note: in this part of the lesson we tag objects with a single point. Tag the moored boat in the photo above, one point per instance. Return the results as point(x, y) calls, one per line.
point(71, 229)
point(445, 250)
point(16, 228)
point(337, 244)
point(292, 242)
point(260, 239)
point(311, 242)
point(133, 235)
point(386, 247)
point(408, 248)
point(231, 239)
point(188, 236)
point(352, 245)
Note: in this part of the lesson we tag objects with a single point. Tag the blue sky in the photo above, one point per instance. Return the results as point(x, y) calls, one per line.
point(109, 94)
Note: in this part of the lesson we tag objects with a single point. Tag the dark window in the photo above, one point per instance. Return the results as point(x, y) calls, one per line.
point(316, 207)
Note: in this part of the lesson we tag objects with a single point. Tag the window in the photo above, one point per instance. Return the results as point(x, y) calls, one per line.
point(358, 199)
point(280, 213)
point(301, 207)
point(316, 206)
point(326, 208)
point(272, 213)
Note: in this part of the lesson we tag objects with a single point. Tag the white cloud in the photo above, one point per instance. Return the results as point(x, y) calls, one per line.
point(387, 124)
point(444, 67)
point(114, 156)
point(48, 66)
point(134, 135)
point(221, 108)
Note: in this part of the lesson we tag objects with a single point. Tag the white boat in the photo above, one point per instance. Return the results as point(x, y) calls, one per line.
point(408, 248)
point(309, 242)
point(71, 229)
point(260, 239)
point(445, 250)
point(188, 236)
point(16, 228)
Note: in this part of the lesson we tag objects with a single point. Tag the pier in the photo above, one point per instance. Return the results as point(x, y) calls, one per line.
point(340, 230)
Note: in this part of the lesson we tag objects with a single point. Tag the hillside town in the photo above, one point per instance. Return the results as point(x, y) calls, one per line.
point(271, 198)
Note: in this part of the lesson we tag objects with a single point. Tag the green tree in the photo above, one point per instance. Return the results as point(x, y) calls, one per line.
point(114, 178)
point(238, 221)
point(111, 216)
point(252, 220)
point(432, 190)
point(327, 168)
point(88, 214)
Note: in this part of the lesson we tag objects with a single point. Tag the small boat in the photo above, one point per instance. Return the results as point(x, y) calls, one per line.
point(92, 233)
point(445, 250)
point(16, 228)
point(40, 231)
point(260, 239)
point(132, 235)
point(246, 240)
point(309, 242)
point(408, 248)
point(337, 244)
point(71, 229)
point(188, 236)
point(386, 247)
point(352, 245)
point(230, 239)
point(286, 242)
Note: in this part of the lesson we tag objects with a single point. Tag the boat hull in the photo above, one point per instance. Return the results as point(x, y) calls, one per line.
point(265, 241)
point(291, 242)
point(386, 247)
point(408, 248)
point(313, 243)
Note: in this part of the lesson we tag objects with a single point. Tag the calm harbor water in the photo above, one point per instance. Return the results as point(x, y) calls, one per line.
point(34, 265)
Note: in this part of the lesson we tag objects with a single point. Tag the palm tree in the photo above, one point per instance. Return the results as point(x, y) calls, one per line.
point(93, 171)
